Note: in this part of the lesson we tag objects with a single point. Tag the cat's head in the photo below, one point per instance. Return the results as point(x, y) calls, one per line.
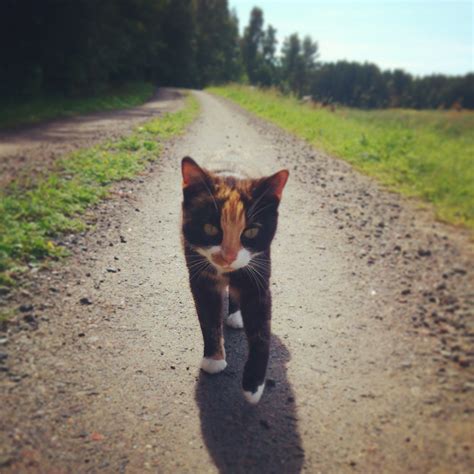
point(229, 220)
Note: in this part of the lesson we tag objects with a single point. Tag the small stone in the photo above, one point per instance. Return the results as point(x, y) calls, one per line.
point(31, 320)
point(85, 301)
point(265, 424)
point(424, 253)
point(270, 383)
point(96, 436)
point(26, 308)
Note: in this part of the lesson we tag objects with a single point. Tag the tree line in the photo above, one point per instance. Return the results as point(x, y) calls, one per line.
point(76, 47)
point(81, 46)
point(298, 71)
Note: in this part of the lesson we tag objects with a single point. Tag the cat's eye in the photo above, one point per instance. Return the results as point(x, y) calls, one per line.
point(251, 232)
point(211, 230)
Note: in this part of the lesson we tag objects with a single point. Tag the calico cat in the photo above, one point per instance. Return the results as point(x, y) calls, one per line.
point(228, 225)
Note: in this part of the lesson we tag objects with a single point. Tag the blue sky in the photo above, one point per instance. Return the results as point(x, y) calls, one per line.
point(420, 36)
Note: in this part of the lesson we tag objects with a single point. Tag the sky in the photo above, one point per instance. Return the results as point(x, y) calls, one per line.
point(419, 36)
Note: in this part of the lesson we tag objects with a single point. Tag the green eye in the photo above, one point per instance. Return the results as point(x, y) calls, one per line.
point(251, 233)
point(211, 230)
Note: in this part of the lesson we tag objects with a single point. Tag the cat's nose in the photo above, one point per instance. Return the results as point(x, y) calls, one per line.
point(229, 256)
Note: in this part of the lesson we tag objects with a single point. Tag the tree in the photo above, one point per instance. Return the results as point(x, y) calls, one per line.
point(291, 63)
point(252, 44)
point(218, 55)
point(299, 63)
point(269, 44)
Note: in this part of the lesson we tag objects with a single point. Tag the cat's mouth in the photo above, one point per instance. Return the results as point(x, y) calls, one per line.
point(225, 267)
point(224, 264)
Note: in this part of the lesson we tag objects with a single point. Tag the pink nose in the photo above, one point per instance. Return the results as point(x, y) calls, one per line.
point(229, 256)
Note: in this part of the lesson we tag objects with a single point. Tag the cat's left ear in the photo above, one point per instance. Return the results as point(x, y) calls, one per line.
point(276, 182)
point(192, 172)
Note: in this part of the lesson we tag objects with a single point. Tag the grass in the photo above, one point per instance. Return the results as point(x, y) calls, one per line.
point(424, 154)
point(13, 113)
point(31, 219)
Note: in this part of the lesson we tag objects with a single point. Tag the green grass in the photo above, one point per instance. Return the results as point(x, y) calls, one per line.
point(14, 113)
point(31, 219)
point(424, 154)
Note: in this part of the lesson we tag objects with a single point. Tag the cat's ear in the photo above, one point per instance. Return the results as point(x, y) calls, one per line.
point(192, 172)
point(275, 183)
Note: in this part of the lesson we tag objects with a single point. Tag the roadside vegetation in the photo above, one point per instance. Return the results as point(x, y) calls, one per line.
point(32, 218)
point(425, 154)
point(28, 111)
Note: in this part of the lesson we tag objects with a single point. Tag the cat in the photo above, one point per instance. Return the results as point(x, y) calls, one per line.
point(228, 225)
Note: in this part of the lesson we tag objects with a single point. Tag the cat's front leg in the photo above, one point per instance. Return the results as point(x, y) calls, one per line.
point(208, 299)
point(256, 313)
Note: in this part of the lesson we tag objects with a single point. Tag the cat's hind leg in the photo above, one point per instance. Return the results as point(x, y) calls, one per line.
point(234, 319)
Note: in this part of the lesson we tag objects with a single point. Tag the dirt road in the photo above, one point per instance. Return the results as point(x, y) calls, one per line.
point(34, 149)
point(371, 361)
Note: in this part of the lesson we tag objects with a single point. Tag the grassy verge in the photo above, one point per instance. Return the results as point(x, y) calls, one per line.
point(31, 219)
point(128, 95)
point(426, 154)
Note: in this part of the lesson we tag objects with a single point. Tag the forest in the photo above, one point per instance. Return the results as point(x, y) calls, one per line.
point(81, 47)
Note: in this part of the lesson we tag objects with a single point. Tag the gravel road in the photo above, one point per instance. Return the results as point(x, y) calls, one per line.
point(372, 354)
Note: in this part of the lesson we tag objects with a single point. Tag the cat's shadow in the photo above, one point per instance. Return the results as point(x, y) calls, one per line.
point(242, 438)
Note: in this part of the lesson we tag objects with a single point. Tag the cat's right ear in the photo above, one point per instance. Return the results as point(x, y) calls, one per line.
point(192, 172)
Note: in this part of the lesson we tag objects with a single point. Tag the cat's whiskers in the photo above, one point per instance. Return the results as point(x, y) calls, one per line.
point(249, 270)
point(199, 270)
point(261, 272)
point(258, 278)
point(197, 267)
point(252, 207)
point(260, 210)
point(197, 258)
point(261, 262)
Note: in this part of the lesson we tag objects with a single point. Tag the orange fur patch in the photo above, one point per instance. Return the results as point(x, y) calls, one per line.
point(232, 222)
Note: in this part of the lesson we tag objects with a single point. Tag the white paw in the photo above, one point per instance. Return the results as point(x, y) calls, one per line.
point(212, 366)
point(254, 398)
point(235, 320)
